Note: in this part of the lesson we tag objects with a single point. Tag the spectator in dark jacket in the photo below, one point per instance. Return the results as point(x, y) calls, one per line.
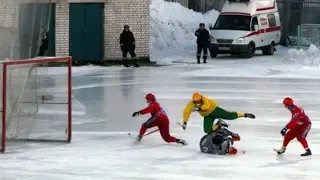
point(203, 42)
point(128, 44)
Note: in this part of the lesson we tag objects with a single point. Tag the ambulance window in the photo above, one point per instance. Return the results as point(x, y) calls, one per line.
point(271, 20)
point(254, 22)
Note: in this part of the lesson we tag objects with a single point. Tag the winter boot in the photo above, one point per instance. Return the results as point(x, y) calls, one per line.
point(307, 153)
point(205, 60)
point(125, 63)
point(198, 60)
point(181, 141)
point(135, 64)
point(280, 151)
point(139, 137)
point(249, 115)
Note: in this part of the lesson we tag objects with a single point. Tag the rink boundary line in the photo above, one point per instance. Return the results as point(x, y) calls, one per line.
point(192, 74)
point(178, 81)
point(247, 81)
point(228, 90)
point(105, 84)
point(101, 132)
point(159, 96)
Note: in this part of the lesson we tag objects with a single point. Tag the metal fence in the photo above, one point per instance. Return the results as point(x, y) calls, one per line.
point(182, 2)
point(292, 13)
point(205, 5)
point(296, 12)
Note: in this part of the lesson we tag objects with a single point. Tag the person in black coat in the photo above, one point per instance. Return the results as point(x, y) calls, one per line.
point(127, 44)
point(203, 42)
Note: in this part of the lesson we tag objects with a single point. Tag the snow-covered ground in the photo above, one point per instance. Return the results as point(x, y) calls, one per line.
point(105, 97)
point(173, 42)
point(173, 26)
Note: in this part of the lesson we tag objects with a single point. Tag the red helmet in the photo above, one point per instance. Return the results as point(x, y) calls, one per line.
point(287, 101)
point(150, 97)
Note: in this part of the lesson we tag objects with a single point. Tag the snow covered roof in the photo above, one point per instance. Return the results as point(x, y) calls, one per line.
point(250, 7)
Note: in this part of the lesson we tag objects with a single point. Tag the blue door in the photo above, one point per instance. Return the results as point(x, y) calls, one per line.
point(86, 32)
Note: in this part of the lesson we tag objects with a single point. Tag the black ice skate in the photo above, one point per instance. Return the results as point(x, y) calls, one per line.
point(249, 115)
point(181, 141)
point(138, 139)
point(307, 153)
point(280, 151)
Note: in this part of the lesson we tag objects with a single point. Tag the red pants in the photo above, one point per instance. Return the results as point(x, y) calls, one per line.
point(300, 132)
point(162, 122)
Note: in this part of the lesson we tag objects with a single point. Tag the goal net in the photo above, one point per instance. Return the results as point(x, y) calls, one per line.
point(36, 100)
point(308, 34)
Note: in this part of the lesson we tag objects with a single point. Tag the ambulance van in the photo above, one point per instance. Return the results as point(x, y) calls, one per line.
point(244, 26)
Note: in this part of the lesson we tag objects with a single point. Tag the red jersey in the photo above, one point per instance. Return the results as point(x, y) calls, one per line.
point(298, 117)
point(154, 109)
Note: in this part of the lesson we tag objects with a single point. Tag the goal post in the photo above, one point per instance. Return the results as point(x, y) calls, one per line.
point(308, 34)
point(36, 100)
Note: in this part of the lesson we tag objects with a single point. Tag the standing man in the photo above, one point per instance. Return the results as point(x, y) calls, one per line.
point(203, 42)
point(128, 44)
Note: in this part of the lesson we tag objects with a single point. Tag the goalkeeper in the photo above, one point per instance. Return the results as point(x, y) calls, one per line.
point(210, 111)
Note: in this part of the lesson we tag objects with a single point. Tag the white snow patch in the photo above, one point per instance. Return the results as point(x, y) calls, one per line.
point(173, 26)
point(307, 59)
point(292, 64)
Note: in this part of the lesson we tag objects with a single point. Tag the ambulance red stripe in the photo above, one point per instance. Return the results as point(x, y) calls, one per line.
point(261, 31)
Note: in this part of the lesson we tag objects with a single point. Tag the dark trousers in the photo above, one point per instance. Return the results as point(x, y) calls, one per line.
point(201, 48)
point(130, 50)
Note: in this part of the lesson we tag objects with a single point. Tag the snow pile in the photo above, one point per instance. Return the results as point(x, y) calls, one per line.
point(301, 58)
point(173, 26)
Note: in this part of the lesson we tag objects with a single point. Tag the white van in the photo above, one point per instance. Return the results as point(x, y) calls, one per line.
point(244, 26)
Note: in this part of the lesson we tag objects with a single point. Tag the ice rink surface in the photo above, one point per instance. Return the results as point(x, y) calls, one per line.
point(104, 100)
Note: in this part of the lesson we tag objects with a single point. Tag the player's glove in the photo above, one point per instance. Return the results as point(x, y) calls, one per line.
point(284, 131)
point(136, 114)
point(195, 109)
point(235, 137)
point(184, 126)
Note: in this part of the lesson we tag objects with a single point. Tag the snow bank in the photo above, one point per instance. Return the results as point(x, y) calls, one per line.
point(309, 58)
point(173, 26)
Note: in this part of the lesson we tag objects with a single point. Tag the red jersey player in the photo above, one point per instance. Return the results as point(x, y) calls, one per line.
point(298, 127)
point(158, 118)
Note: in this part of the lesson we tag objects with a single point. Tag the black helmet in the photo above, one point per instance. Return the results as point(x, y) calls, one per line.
point(222, 124)
point(126, 26)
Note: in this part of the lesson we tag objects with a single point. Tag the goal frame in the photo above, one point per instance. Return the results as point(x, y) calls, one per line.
point(68, 61)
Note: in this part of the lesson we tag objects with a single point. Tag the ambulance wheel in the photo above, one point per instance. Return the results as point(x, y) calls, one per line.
point(268, 50)
point(213, 54)
point(250, 51)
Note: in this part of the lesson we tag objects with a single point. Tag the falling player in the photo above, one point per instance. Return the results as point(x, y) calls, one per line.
point(158, 118)
point(210, 111)
point(220, 141)
point(298, 127)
